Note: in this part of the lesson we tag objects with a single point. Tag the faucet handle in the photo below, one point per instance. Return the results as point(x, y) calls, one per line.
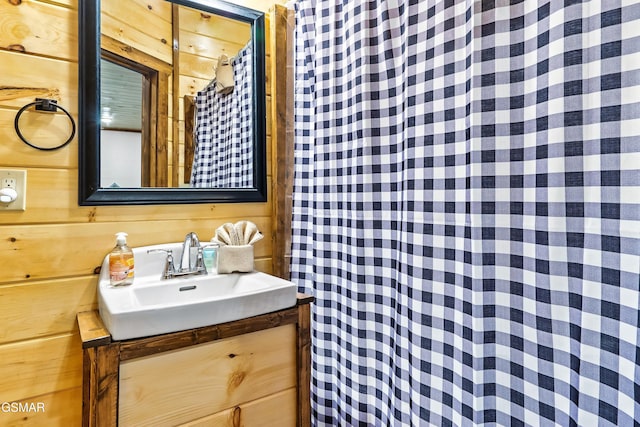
point(169, 269)
point(169, 252)
point(200, 267)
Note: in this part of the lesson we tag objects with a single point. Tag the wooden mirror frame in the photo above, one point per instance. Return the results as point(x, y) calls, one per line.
point(89, 191)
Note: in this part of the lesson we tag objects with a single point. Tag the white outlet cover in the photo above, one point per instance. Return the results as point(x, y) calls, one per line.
point(17, 179)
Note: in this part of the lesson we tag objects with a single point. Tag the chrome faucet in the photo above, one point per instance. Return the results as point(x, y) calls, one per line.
point(187, 261)
point(189, 265)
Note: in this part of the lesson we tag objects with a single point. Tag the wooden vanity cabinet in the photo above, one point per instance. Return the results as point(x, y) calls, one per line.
point(250, 372)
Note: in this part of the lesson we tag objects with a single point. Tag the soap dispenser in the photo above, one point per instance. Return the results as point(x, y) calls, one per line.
point(121, 262)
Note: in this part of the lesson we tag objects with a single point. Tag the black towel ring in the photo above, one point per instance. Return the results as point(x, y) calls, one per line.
point(49, 105)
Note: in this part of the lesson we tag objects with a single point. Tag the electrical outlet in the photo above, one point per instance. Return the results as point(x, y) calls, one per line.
point(17, 180)
point(8, 182)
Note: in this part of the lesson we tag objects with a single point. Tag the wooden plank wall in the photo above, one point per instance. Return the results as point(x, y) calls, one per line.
point(49, 253)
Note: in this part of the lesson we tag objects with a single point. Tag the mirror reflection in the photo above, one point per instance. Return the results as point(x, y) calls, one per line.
point(121, 94)
point(213, 65)
point(222, 134)
point(178, 114)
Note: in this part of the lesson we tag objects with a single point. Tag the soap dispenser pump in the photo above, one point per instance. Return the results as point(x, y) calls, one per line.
point(121, 262)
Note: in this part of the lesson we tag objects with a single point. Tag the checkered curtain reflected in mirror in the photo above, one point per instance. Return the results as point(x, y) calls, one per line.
point(223, 156)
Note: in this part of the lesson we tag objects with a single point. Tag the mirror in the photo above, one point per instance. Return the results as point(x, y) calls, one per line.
point(172, 66)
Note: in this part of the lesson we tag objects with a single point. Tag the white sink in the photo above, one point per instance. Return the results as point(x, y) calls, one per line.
point(152, 305)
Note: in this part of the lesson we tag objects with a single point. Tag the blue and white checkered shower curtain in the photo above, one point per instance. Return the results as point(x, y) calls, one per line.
point(467, 210)
point(223, 156)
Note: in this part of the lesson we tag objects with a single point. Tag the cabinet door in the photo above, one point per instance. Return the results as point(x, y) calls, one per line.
point(195, 382)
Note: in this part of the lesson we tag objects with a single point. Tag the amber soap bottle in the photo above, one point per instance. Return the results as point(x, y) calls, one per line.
point(121, 263)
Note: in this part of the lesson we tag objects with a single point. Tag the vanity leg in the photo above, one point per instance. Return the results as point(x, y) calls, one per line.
point(100, 385)
point(304, 365)
point(89, 375)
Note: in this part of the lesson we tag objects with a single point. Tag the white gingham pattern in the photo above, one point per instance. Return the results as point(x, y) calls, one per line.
point(467, 210)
